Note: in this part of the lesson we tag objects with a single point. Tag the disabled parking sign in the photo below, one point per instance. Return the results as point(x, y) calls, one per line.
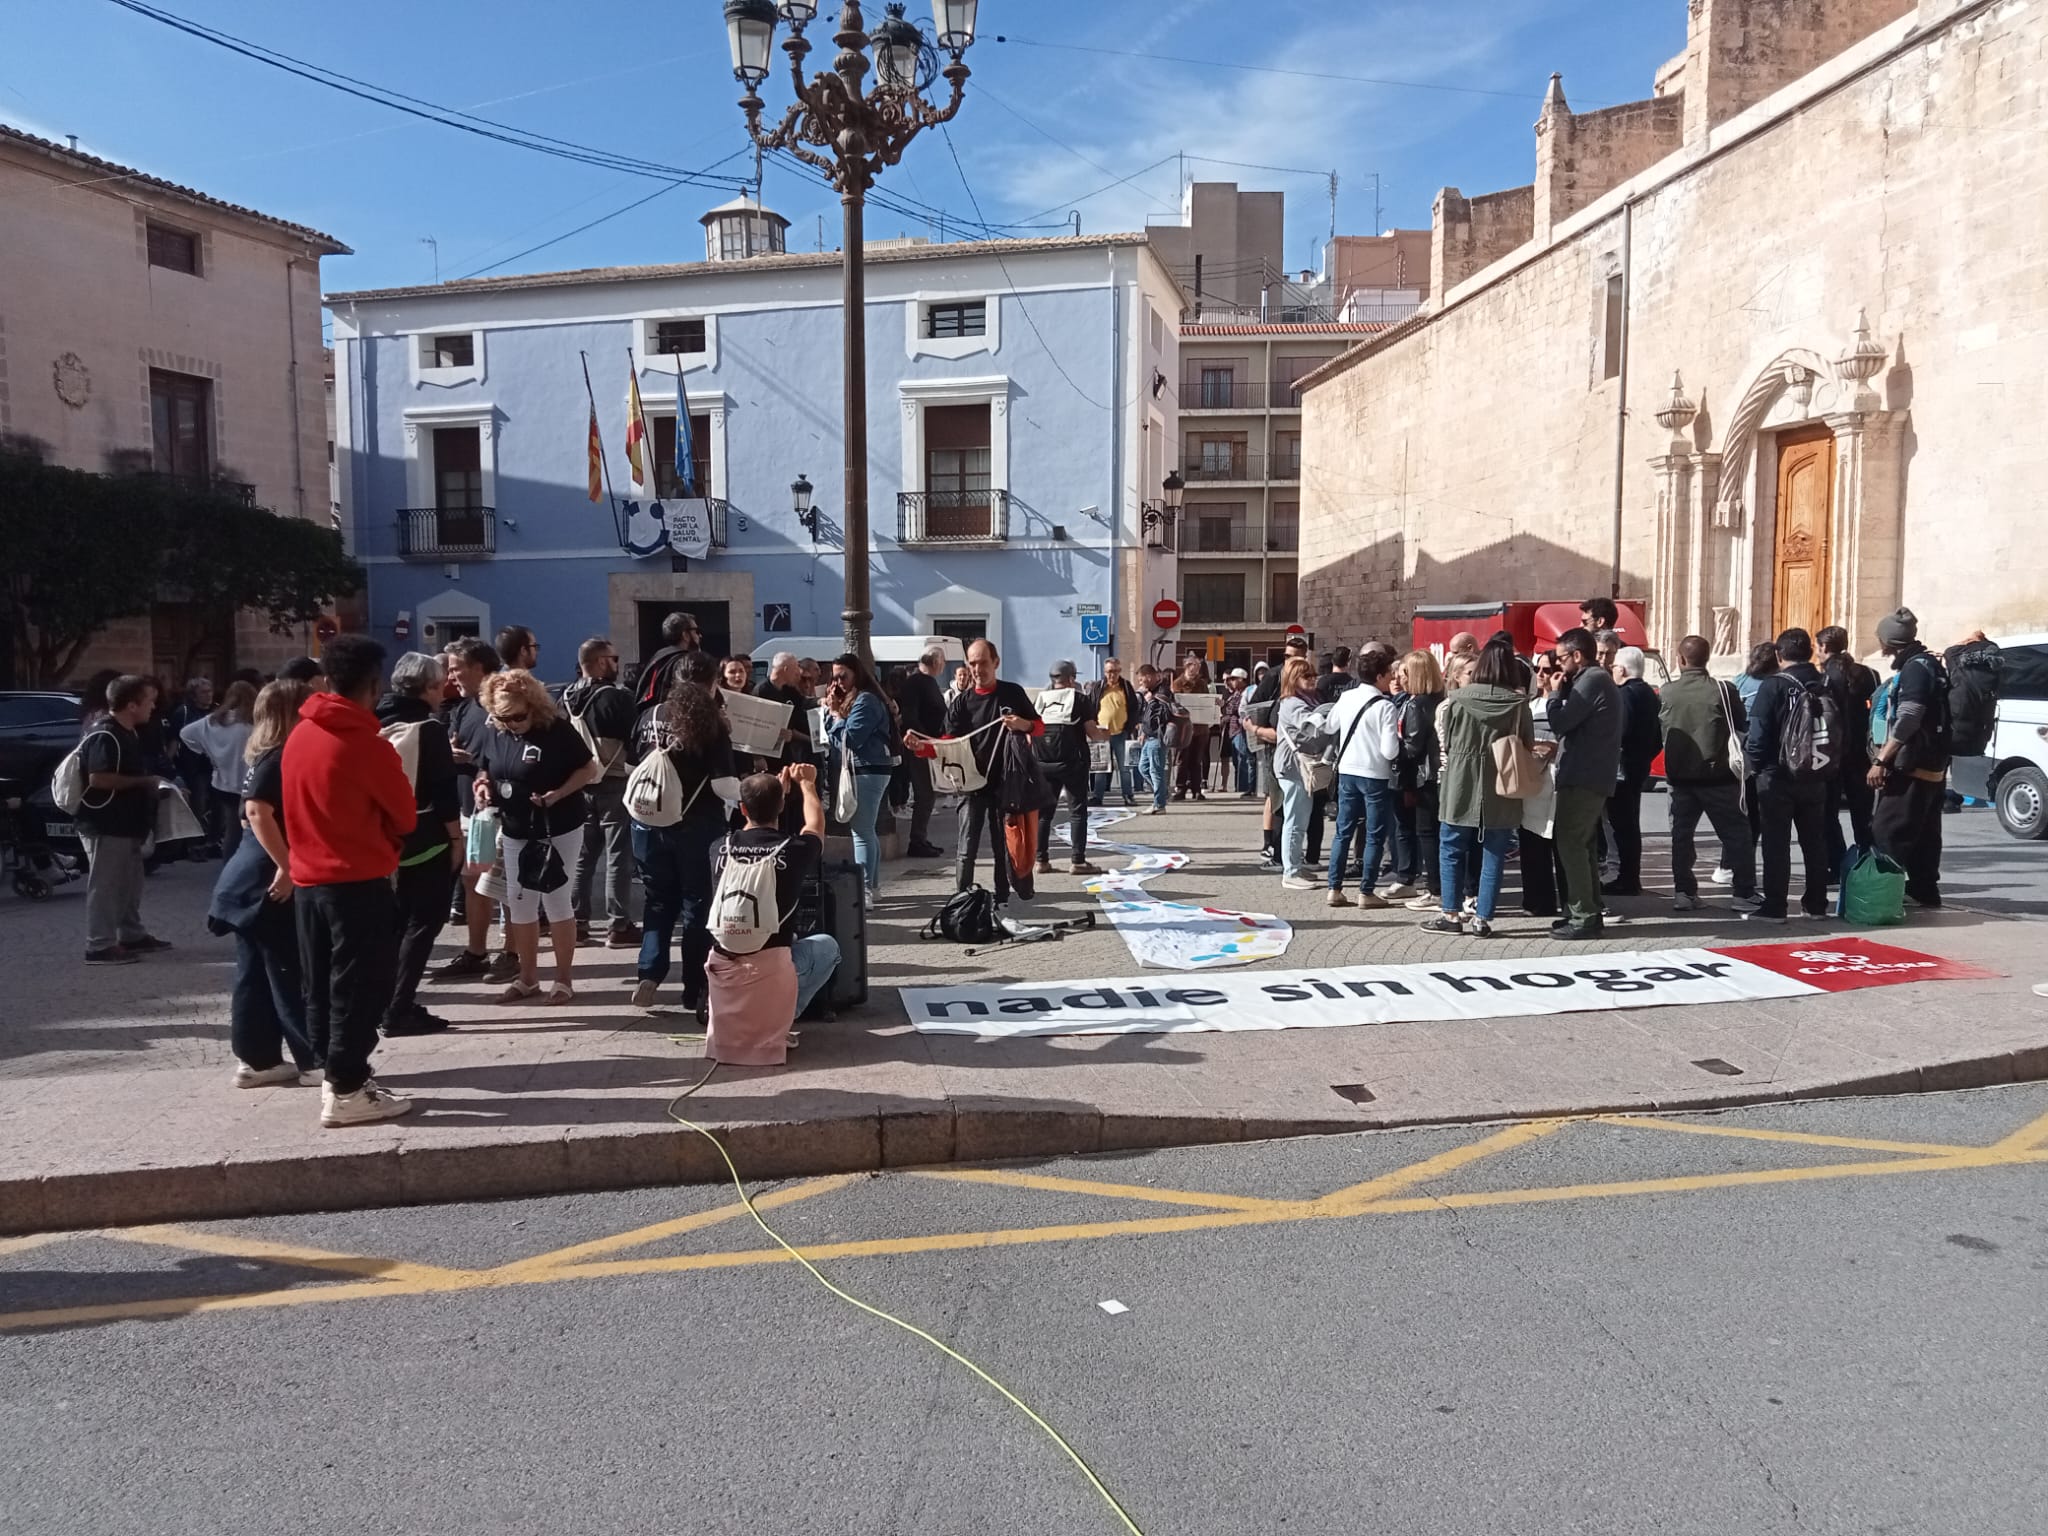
point(1095, 629)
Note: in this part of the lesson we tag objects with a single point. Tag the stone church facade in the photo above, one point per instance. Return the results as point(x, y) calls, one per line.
point(1763, 350)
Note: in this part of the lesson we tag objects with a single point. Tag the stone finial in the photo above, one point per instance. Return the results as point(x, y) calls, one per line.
point(1677, 412)
point(1553, 99)
point(1865, 356)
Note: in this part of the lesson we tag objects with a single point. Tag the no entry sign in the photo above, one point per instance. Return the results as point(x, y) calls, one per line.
point(1166, 613)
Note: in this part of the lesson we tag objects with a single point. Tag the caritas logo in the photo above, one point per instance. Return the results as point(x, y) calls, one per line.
point(1848, 964)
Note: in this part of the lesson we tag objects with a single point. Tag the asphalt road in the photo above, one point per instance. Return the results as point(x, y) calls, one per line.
point(1599, 1327)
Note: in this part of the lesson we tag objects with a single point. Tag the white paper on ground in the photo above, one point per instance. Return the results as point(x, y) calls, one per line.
point(1174, 935)
point(1112, 1307)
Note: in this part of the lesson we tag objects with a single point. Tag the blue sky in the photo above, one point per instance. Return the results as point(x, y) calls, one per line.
point(1043, 126)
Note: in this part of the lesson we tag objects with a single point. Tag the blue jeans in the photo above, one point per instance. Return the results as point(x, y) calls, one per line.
point(267, 1008)
point(1241, 754)
point(1120, 765)
point(1154, 758)
point(1296, 806)
point(815, 957)
point(868, 790)
point(1370, 800)
point(1454, 854)
point(675, 872)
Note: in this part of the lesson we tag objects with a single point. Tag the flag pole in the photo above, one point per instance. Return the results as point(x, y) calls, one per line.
point(687, 478)
point(650, 484)
point(603, 459)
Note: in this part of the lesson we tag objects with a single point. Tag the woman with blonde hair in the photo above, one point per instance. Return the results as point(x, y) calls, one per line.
point(221, 737)
point(1416, 774)
point(1298, 700)
point(532, 770)
point(253, 901)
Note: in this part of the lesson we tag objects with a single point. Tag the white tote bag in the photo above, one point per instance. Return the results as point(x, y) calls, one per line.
point(845, 793)
point(953, 768)
point(1539, 810)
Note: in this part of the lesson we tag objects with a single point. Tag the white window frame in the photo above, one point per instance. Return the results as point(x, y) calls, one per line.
point(917, 394)
point(960, 603)
point(420, 422)
point(654, 365)
point(451, 604)
point(712, 403)
point(917, 344)
point(418, 341)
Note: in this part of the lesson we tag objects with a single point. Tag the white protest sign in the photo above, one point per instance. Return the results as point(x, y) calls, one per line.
point(818, 729)
point(1098, 757)
point(1203, 708)
point(689, 526)
point(757, 724)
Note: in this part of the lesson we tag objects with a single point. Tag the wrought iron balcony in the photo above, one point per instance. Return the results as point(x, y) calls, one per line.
point(441, 533)
point(952, 517)
point(1224, 536)
point(1198, 394)
point(1212, 467)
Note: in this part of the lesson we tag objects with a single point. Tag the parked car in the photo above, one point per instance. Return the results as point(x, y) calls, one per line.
point(36, 730)
point(2013, 775)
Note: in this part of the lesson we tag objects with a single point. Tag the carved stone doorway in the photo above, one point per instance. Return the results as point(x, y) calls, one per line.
point(1805, 529)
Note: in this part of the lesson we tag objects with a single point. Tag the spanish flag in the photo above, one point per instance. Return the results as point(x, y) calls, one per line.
point(596, 458)
point(636, 434)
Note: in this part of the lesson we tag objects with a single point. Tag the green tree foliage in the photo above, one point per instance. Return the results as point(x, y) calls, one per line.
point(79, 551)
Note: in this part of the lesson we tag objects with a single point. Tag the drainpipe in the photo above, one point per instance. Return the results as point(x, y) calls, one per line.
point(1116, 445)
point(1628, 210)
point(291, 331)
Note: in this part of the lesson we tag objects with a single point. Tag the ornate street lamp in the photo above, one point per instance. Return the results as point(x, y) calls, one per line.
point(806, 515)
point(1161, 515)
point(852, 132)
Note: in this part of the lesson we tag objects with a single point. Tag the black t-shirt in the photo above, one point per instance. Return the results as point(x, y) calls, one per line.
point(265, 780)
point(1067, 745)
point(793, 866)
point(539, 762)
point(469, 727)
point(694, 768)
point(110, 747)
point(971, 711)
point(799, 749)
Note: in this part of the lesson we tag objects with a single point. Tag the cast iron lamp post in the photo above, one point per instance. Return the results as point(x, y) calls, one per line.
point(850, 133)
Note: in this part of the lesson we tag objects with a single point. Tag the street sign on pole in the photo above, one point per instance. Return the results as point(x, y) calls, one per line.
point(1166, 613)
point(1215, 648)
point(1095, 629)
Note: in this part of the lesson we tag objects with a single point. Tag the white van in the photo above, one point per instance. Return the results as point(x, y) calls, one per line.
point(889, 650)
point(2013, 775)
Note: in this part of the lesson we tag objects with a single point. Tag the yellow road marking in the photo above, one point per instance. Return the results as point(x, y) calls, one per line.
point(234, 1246)
point(1796, 1138)
point(1376, 1197)
point(521, 1268)
point(2026, 1138)
point(1108, 1191)
point(1344, 1202)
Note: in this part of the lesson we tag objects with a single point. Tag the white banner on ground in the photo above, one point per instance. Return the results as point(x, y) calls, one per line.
point(1340, 996)
point(1174, 935)
point(757, 724)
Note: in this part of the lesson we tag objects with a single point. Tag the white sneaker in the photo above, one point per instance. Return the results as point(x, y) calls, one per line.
point(247, 1076)
point(645, 993)
point(1398, 892)
point(1724, 875)
point(1470, 907)
point(1684, 903)
point(366, 1104)
point(867, 901)
point(1297, 883)
point(1424, 903)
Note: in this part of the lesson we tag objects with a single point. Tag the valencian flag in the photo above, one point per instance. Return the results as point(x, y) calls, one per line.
point(637, 448)
point(596, 458)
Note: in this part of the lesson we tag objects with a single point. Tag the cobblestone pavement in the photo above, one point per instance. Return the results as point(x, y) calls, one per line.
point(114, 1101)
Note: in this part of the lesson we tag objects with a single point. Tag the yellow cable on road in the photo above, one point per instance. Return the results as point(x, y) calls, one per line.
point(940, 1345)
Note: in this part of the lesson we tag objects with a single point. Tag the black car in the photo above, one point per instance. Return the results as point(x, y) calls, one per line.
point(36, 730)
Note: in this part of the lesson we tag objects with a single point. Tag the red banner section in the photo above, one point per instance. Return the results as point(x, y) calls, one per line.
point(1843, 965)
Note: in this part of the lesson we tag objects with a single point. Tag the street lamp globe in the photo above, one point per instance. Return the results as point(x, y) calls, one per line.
point(750, 28)
point(954, 20)
point(800, 494)
point(897, 45)
point(798, 13)
point(1174, 487)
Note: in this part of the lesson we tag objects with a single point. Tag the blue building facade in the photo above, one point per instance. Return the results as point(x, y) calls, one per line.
point(1012, 437)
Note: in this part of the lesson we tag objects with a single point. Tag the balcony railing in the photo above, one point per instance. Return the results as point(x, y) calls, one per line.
point(1198, 394)
point(1284, 466)
point(439, 533)
point(1215, 612)
point(1219, 536)
point(1213, 467)
point(952, 517)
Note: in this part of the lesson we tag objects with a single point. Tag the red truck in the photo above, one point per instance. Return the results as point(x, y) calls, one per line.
point(1534, 625)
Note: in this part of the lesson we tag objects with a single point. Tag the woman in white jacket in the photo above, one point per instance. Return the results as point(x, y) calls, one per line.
point(1363, 719)
point(221, 738)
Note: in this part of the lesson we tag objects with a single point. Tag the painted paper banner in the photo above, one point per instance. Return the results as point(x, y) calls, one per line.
point(757, 724)
point(1203, 708)
point(1174, 935)
point(1340, 996)
point(689, 526)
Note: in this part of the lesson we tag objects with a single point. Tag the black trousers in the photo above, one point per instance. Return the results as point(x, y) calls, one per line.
point(1905, 827)
point(1625, 815)
point(1072, 781)
point(1318, 813)
point(1417, 858)
point(348, 948)
point(980, 812)
point(1851, 793)
point(1785, 805)
point(1721, 805)
point(922, 797)
point(422, 894)
point(1542, 874)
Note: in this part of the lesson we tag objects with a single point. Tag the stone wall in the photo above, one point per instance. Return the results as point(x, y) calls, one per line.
point(1473, 457)
point(1470, 233)
point(1581, 155)
point(1738, 52)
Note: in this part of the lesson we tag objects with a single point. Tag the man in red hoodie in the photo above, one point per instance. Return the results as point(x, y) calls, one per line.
point(348, 806)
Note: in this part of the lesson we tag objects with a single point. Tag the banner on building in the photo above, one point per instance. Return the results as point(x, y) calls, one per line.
point(757, 724)
point(689, 526)
point(1339, 996)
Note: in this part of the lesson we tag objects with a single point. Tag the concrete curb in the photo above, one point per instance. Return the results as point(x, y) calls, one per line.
point(969, 1131)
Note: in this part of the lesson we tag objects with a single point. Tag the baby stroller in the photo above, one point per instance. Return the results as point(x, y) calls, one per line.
point(36, 868)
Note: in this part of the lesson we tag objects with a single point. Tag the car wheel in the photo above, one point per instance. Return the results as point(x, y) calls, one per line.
point(2022, 801)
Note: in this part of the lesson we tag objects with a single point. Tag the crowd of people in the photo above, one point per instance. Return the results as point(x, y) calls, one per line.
point(357, 818)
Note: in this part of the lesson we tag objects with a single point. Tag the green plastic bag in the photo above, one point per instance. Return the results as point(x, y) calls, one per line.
point(1873, 890)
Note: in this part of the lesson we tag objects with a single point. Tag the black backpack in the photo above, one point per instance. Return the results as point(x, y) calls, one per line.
point(1810, 743)
point(968, 917)
point(1972, 697)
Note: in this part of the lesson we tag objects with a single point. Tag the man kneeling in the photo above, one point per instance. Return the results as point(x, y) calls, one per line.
point(760, 975)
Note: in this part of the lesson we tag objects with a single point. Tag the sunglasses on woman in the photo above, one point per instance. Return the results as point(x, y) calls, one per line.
point(518, 719)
